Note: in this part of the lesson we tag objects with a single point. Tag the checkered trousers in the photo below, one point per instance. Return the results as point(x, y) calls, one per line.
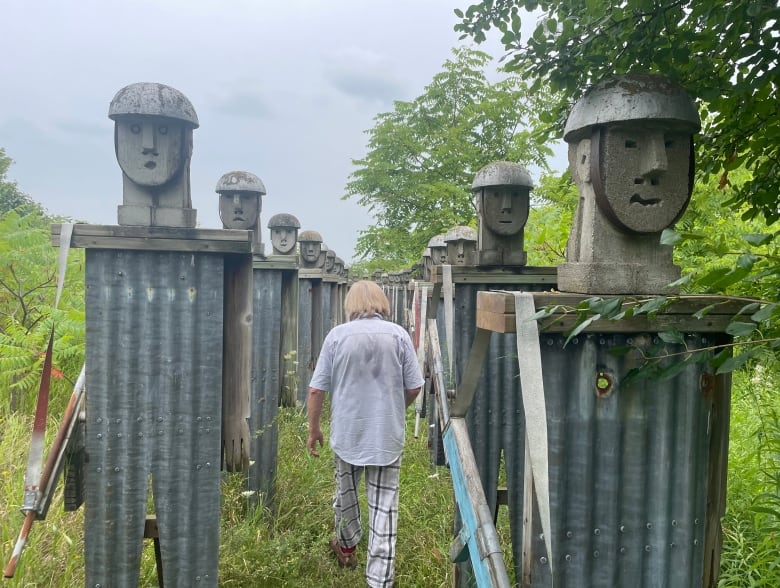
point(382, 495)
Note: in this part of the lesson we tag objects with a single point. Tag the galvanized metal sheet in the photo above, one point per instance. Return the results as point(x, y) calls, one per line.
point(154, 376)
point(266, 382)
point(308, 308)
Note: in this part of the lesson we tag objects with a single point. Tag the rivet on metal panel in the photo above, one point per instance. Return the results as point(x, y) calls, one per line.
point(159, 431)
point(674, 522)
point(597, 531)
point(207, 430)
point(569, 534)
point(117, 469)
point(100, 435)
point(695, 521)
point(622, 550)
point(622, 528)
point(649, 525)
point(647, 548)
point(139, 420)
point(117, 421)
point(695, 541)
point(208, 418)
point(567, 557)
point(140, 434)
point(707, 384)
point(119, 435)
point(575, 340)
point(541, 536)
point(99, 420)
point(159, 419)
point(550, 342)
point(208, 464)
point(629, 341)
point(197, 578)
point(672, 545)
point(198, 466)
point(602, 341)
point(655, 340)
point(603, 384)
point(596, 554)
point(98, 469)
point(543, 560)
point(199, 419)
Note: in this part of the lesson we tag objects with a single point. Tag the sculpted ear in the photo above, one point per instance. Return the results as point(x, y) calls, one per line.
point(579, 161)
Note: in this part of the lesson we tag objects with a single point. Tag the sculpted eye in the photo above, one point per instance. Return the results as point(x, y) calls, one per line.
point(135, 129)
point(630, 144)
point(163, 130)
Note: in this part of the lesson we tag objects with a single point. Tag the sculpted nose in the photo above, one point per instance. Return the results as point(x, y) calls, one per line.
point(148, 142)
point(654, 159)
point(506, 203)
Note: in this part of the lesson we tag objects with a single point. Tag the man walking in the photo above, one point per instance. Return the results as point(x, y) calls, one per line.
point(370, 368)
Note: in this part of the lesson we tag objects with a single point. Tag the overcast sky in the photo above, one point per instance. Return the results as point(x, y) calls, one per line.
point(282, 89)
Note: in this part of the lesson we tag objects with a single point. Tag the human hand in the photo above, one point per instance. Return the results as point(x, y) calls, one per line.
point(315, 436)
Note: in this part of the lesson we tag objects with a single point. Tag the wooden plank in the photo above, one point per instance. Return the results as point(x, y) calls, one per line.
point(498, 275)
point(495, 312)
point(175, 233)
point(276, 262)
point(496, 322)
point(470, 379)
point(310, 273)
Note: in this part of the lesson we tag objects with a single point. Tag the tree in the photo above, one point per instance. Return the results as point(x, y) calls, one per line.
point(11, 198)
point(422, 157)
point(723, 51)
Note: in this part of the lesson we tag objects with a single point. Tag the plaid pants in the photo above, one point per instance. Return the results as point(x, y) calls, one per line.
point(382, 495)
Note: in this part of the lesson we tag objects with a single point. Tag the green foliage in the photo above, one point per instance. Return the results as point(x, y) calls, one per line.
point(553, 203)
point(11, 198)
point(723, 51)
point(422, 156)
point(28, 282)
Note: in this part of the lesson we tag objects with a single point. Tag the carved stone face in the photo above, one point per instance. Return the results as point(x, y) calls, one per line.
point(310, 251)
point(644, 172)
point(505, 209)
point(239, 210)
point(283, 239)
point(462, 252)
point(149, 149)
point(439, 255)
point(330, 261)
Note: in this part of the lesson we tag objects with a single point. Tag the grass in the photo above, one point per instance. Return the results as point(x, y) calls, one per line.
point(258, 547)
point(288, 546)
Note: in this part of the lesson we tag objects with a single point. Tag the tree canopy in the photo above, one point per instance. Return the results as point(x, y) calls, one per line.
point(422, 157)
point(11, 198)
point(724, 52)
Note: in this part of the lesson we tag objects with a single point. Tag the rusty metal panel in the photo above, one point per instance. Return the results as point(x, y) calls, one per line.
point(266, 382)
point(154, 377)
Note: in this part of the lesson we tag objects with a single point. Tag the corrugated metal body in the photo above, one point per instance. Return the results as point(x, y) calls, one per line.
point(628, 469)
point(266, 381)
point(309, 332)
point(327, 289)
point(154, 378)
point(495, 420)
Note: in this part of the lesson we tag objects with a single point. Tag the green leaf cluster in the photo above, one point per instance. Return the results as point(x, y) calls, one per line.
point(422, 157)
point(28, 282)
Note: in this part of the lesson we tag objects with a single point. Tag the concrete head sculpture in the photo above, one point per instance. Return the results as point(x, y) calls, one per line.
point(502, 196)
point(377, 276)
point(153, 126)
point(338, 267)
point(631, 156)
point(311, 247)
point(426, 263)
point(284, 233)
point(240, 202)
point(330, 261)
point(461, 245)
point(438, 250)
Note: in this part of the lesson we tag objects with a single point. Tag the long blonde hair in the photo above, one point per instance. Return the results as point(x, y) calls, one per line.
point(365, 299)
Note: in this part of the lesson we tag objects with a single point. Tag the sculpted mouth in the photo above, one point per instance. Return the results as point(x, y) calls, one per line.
point(150, 165)
point(637, 199)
